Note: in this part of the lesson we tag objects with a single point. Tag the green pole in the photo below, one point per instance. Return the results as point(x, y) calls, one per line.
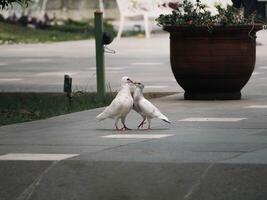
point(99, 47)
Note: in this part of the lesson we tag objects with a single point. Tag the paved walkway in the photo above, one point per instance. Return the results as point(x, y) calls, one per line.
point(41, 67)
point(213, 150)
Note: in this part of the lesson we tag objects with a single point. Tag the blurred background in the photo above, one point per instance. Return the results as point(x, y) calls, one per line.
point(72, 19)
point(65, 9)
point(63, 20)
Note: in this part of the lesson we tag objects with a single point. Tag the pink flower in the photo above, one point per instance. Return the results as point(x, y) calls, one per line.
point(190, 22)
point(173, 5)
point(164, 5)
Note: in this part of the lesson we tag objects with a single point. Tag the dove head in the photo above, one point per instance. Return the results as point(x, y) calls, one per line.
point(139, 85)
point(126, 80)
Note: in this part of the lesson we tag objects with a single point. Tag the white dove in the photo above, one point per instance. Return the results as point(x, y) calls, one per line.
point(145, 108)
point(120, 106)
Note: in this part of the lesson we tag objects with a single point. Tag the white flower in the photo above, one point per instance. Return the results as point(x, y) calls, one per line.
point(211, 4)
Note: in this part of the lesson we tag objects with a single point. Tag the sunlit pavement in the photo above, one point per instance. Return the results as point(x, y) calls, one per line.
point(41, 67)
point(213, 150)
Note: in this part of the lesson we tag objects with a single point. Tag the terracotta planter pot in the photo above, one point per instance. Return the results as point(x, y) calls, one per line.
point(214, 65)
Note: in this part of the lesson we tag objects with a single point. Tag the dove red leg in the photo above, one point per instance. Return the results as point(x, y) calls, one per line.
point(116, 125)
point(124, 126)
point(149, 122)
point(142, 123)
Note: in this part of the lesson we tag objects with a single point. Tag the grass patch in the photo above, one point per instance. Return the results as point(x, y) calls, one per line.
point(70, 30)
point(12, 33)
point(24, 107)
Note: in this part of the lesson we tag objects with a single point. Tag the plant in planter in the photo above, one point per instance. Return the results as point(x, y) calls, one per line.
point(5, 3)
point(212, 55)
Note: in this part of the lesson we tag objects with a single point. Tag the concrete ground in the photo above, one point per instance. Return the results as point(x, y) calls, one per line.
point(41, 67)
point(213, 150)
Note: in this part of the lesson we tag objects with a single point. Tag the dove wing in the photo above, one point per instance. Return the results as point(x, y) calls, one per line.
point(113, 109)
point(148, 108)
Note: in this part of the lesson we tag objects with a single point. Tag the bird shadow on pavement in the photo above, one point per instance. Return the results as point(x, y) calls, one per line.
point(132, 130)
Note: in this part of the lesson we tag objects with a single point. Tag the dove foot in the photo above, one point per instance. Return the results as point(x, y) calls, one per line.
point(119, 129)
point(126, 128)
point(141, 125)
point(147, 129)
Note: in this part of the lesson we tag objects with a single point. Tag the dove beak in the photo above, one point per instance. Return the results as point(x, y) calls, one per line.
point(136, 83)
point(130, 81)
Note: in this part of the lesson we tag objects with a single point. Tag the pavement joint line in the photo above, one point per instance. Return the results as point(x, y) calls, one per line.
point(56, 145)
point(211, 119)
point(256, 73)
point(123, 145)
point(23, 49)
point(240, 154)
point(221, 151)
point(146, 63)
point(33, 60)
point(137, 136)
point(156, 86)
point(10, 79)
point(196, 185)
point(114, 68)
point(256, 106)
point(27, 193)
point(58, 73)
point(231, 157)
point(36, 157)
point(109, 68)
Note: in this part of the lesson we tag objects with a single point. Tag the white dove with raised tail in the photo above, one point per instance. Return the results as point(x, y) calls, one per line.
point(145, 108)
point(120, 106)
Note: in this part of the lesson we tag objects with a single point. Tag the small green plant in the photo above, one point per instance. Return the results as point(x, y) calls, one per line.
point(197, 14)
point(23, 107)
point(71, 30)
point(5, 3)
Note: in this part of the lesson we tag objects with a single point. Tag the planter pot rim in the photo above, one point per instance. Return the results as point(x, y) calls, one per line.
point(255, 27)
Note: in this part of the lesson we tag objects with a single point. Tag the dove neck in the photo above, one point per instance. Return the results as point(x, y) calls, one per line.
point(125, 89)
point(138, 93)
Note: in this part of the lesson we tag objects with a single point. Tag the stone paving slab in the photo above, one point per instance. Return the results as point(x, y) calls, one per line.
point(199, 160)
point(143, 180)
point(15, 177)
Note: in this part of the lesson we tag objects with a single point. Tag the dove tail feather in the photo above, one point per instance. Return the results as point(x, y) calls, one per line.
point(165, 119)
point(101, 117)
